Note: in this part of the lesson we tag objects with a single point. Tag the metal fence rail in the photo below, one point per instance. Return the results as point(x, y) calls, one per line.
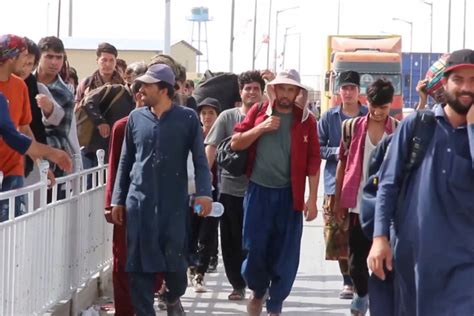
point(46, 254)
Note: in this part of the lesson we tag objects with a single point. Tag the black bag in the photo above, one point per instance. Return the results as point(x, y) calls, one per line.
point(234, 162)
point(422, 133)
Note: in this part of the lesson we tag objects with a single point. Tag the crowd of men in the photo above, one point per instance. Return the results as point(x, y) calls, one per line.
point(157, 136)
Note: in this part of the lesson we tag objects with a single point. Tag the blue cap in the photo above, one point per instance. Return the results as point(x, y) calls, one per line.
point(157, 73)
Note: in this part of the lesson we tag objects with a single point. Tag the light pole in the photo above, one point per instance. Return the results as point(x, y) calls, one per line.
point(464, 28)
point(449, 26)
point(268, 33)
point(284, 45)
point(276, 35)
point(411, 56)
point(431, 24)
point(411, 30)
point(254, 34)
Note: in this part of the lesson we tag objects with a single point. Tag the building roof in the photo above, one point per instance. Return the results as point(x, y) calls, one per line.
point(121, 44)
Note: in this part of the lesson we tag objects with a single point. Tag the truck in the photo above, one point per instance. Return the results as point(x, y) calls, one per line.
point(373, 57)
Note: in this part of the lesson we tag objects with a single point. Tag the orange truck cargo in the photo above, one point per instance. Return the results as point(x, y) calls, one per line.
point(373, 57)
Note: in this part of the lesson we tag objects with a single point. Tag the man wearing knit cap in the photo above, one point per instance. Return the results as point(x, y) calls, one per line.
point(433, 257)
point(13, 54)
point(283, 151)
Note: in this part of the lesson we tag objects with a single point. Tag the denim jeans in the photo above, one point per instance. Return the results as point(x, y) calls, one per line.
point(11, 183)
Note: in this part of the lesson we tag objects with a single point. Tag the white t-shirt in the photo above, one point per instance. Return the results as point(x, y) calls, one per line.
point(368, 149)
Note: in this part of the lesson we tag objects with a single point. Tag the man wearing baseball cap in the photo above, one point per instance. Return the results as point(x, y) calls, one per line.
point(283, 147)
point(329, 132)
point(151, 186)
point(434, 224)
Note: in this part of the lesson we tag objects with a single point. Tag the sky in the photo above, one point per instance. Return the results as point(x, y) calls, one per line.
point(307, 26)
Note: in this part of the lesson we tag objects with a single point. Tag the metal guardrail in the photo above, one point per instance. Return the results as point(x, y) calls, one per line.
point(53, 249)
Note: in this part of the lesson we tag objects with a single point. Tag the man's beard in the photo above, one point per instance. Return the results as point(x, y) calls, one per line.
point(284, 103)
point(455, 104)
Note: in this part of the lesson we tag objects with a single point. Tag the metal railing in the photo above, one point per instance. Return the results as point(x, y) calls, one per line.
point(53, 249)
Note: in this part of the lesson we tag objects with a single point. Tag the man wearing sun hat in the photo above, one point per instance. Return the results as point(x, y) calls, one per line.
point(434, 255)
point(151, 186)
point(283, 146)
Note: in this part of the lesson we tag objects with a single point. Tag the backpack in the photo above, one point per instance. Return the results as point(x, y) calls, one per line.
point(422, 132)
point(234, 162)
point(85, 125)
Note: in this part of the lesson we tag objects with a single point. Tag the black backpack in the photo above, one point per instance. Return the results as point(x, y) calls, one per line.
point(422, 132)
point(234, 162)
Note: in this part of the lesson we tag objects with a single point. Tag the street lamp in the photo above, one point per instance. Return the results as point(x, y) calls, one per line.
point(411, 55)
point(411, 30)
point(431, 24)
point(284, 45)
point(276, 34)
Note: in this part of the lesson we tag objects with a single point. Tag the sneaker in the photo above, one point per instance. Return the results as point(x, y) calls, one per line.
point(191, 274)
point(359, 305)
point(347, 292)
point(212, 265)
point(254, 305)
point(175, 309)
point(198, 284)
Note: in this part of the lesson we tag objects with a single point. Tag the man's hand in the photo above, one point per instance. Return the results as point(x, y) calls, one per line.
point(340, 213)
point(272, 123)
point(51, 178)
point(380, 254)
point(118, 213)
point(310, 210)
point(267, 75)
point(59, 157)
point(206, 205)
point(45, 104)
point(104, 130)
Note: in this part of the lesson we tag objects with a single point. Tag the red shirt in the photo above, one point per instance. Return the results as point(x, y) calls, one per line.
point(305, 157)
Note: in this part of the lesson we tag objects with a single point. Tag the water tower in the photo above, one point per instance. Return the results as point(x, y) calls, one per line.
point(200, 15)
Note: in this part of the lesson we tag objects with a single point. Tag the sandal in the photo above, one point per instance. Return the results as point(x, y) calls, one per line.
point(237, 295)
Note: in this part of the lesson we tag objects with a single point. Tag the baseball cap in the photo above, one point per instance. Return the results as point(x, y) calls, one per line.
point(157, 73)
point(459, 59)
point(214, 103)
point(11, 46)
point(349, 77)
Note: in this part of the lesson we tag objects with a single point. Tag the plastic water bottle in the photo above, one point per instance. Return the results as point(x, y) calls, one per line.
point(216, 211)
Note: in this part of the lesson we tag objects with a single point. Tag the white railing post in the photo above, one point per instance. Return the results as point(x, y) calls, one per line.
point(44, 168)
point(101, 161)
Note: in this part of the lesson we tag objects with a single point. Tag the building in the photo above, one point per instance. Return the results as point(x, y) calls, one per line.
point(81, 53)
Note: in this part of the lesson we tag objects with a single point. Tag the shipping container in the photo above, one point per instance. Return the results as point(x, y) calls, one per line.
point(414, 68)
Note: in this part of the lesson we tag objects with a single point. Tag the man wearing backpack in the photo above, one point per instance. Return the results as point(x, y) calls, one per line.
point(360, 136)
point(232, 189)
point(329, 131)
point(434, 221)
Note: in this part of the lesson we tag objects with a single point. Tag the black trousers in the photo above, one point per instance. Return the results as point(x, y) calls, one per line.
point(231, 238)
point(359, 247)
point(203, 241)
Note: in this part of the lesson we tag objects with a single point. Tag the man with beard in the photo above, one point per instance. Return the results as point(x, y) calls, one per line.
point(151, 186)
point(283, 150)
point(434, 223)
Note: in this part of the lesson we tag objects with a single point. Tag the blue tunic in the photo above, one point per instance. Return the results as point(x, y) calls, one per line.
point(152, 183)
point(329, 133)
point(434, 243)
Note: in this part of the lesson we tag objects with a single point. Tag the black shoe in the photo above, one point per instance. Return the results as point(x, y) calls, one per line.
point(212, 265)
point(175, 309)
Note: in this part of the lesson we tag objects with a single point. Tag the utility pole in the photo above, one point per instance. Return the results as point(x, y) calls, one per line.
point(59, 19)
point(231, 60)
point(268, 34)
point(167, 48)
point(464, 27)
point(254, 34)
point(70, 19)
point(449, 27)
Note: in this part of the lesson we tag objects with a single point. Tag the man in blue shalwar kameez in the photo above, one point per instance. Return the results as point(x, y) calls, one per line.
point(433, 256)
point(151, 190)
